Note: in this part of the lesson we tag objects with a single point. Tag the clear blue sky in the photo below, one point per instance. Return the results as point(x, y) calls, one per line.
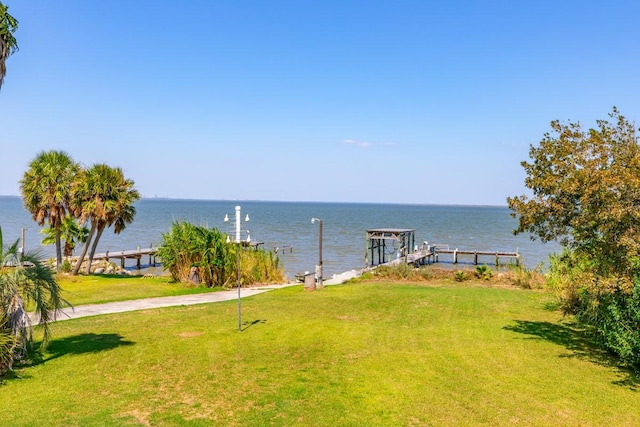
point(364, 101)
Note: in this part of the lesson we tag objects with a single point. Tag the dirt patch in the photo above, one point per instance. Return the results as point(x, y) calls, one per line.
point(139, 416)
point(190, 334)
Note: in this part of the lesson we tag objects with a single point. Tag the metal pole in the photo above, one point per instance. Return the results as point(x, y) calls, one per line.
point(320, 255)
point(238, 224)
point(238, 227)
point(22, 247)
point(239, 303)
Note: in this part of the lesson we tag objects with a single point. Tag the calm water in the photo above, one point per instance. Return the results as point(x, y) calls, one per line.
point(288, 224)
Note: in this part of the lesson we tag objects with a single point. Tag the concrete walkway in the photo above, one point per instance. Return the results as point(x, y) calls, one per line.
point(149, 303)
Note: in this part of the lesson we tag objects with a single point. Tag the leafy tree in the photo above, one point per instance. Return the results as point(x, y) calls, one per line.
point(103, 197)
point(70, 231)
point(586, 193)
point(24, 280)
point(8, 43)
point(46, 191)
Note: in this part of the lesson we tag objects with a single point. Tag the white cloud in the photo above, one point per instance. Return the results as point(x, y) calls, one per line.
point(361, 144)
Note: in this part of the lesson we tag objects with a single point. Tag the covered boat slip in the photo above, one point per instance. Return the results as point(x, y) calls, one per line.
point(387, 244)
point(397, 245)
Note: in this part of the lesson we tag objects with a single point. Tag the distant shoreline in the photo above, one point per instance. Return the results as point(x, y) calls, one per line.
point(178, 199)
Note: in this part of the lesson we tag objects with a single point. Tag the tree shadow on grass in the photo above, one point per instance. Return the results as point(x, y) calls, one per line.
point(81, 344)
point(75, 344)
point(580, 343)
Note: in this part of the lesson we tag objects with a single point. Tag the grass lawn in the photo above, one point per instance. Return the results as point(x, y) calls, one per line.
point(101, 288)
point(364, 354)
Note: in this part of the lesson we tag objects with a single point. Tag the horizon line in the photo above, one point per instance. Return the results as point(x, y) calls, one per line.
point(308, 201)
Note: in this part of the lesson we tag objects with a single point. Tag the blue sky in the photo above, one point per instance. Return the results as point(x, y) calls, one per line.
point(365, 101)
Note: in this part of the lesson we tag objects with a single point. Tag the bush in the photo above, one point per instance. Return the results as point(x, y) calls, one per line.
point(615, 317)
point(484, 272)
point(186, 246)
point(66, 266)
point(460, 276)
point(610, 306)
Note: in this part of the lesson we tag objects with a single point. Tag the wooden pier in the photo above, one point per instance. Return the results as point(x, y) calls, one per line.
point(496, 256)
point(136, 254)
point(432, 255)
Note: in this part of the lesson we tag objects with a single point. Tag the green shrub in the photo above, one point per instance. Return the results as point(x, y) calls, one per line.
point(484, 272)
point(66, 266)
point(608, 305)
point(187, 245)
point(615, 317)
point(460, 276)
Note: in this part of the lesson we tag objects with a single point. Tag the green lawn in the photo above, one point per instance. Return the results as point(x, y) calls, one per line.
point(365, 354)
point(100, 288)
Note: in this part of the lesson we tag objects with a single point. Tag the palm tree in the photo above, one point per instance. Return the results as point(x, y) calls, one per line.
point(70, 231)
point(46, 190)
point(8, 43)
point(24, 280)
point(103, 197)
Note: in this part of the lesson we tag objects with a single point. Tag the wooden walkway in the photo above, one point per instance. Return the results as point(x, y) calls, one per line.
point(432, 255)
point(494, 255)
point(136, 254)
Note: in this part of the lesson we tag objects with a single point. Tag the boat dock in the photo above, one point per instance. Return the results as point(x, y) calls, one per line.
point(389, 246)
point(136, 254)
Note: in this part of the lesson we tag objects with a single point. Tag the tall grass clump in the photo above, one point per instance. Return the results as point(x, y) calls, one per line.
point(259, 266)
point(401, 271)
point(526, 278)
point(186, 246)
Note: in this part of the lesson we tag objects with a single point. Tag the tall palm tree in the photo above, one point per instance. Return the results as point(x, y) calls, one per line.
point(24, 280)
point(46, 190)
point(103, 197)
point(8, 43)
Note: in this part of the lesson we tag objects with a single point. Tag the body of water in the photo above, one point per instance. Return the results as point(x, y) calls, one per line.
point(285, 225)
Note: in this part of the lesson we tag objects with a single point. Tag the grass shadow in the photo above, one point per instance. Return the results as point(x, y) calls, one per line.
point(580, 343)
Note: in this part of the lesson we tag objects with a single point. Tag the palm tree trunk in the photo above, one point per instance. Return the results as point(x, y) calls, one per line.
point(85, 247)
point(68, 251)
point(101, 228)
point(58, 250)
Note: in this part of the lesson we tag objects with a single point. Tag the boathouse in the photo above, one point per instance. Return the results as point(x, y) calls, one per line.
point(387, 244)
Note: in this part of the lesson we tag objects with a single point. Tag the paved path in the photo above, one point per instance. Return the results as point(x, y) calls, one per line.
point(148, 303)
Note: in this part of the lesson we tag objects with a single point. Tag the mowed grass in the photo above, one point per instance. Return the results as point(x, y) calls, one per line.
point(364, 354)
point(102, 288)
